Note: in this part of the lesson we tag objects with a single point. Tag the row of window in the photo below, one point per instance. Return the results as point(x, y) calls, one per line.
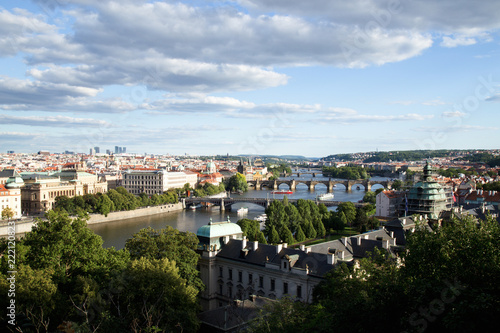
point(260, 282)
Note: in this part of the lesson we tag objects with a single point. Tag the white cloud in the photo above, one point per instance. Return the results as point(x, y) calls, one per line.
point(52, 121)
point(453, 114)
point(457, 41)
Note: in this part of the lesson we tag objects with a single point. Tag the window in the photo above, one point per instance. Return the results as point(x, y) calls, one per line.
point(250, 278)
point(240, 276)
point(285, 287)
point(220, 289)
point(284, 264)
point(299, 291)
point(230, 274)
point(273, 284)
point(230, 290)
point(261, 282)
point(221, 272)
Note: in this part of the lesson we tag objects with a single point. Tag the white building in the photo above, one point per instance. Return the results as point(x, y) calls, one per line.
point(387, 203)
point(233, 268)
point(10, 197)
point(156, 181)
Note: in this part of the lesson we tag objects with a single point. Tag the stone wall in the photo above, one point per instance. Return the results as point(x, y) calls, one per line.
point(23, 227)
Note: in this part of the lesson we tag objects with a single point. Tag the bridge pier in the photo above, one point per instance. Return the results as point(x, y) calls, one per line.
point(222, 207)
point(258, 185)
point(293, 185)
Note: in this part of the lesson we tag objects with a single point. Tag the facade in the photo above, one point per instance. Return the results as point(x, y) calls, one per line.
point(10, 197)
point(387, 203)
point(41, 189)
point(156, 181)
point(233, 268)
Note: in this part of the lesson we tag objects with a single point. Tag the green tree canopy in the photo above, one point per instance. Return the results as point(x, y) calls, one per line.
point(237, 182)
point(168, 243)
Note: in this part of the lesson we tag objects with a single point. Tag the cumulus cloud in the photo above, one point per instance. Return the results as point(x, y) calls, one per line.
point(54, 121)
point(17, 94)
point(458, 41)
point(453, 114)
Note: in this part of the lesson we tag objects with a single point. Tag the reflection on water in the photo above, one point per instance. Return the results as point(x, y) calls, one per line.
point(116, 233)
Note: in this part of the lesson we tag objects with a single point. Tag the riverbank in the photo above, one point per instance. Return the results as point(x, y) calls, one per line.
point(22, 227)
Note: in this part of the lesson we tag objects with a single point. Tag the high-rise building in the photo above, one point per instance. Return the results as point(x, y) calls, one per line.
point(108, 151)
point(117, 150)
point(97, 150)
point(124, 150)
point(92, 151)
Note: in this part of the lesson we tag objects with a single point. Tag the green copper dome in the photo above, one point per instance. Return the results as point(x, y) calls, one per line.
point(219, 229)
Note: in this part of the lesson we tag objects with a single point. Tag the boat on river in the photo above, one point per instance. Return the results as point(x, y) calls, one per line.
point(325, 196)
point(282, 192)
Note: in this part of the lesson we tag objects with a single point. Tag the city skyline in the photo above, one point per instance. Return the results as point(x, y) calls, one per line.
point(249, 76)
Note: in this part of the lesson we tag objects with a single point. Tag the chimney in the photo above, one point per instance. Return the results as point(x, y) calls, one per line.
point(226, 239)
point(285, 245)
point(308, 249)
point(344, 240)
point(278, 248)
point(302, 247)
point(391, 233)
point(244, 242)
point(255, 245)
point(358, 241)
point(404, 221)
point(330, 259)
point(367, 236)
point(341, 255)
point(385, 244)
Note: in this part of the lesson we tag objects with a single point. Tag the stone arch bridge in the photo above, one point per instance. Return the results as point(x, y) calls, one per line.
point(311, 184)
point(226, 203)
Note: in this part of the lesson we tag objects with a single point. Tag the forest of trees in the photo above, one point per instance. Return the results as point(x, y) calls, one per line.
point(346, 172)
point(445, 281)
point(66, 281)
point(290, 223)
point(113, 200)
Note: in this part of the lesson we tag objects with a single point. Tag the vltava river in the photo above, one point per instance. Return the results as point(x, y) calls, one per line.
point(116, 233)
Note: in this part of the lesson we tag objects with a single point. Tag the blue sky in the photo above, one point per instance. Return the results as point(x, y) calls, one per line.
point(309, 78)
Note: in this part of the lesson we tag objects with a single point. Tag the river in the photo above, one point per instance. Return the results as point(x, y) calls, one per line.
point(116, 233)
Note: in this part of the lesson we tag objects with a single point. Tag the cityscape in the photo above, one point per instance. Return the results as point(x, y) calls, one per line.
point(249, 166)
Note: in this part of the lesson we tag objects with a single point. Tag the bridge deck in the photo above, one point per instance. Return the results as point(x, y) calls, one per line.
point(259, 201)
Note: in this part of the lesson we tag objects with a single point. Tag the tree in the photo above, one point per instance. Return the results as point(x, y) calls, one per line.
point(319, 227)
point(294, 217)
point(276, 215)
point(361, 220)
point(249, 228)
point(349, 211)
point(237, 182)
point(300, 235)
point(286, 235)
point(105, 205)
point(273, 237)
point(155, 297)
point(370, 197)
point(7, 213)
point(309, 230)
point(259, 236)
point(339, 222)
point(168, 243)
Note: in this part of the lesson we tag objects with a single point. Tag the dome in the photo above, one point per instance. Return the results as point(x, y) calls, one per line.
point(14, 182)
point(219, 229)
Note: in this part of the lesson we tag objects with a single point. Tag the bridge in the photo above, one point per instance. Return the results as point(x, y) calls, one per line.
point(226, 203)
point(311, 184)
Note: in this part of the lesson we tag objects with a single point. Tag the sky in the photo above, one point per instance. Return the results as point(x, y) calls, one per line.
point(275, 77)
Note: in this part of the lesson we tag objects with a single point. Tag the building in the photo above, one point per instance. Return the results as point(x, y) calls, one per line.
point(153, 181)
point(232, 268)
point(42, 188)
point(427, 197)
point(387, 203)
point(10, 196)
